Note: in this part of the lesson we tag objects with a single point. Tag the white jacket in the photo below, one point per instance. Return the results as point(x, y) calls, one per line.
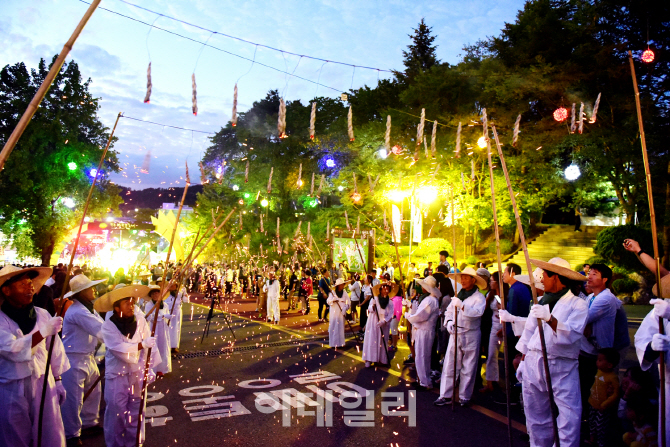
point(470, 317)
point(272, 289)
point(123, 356)
point(82, 330)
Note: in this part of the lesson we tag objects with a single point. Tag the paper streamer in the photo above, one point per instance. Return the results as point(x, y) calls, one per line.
point(485, 124)
point(277, 228)
point(260, 249)
point(433, 140)
point(517, 123)
point(203, 177)
point(270, 181)
point(437, 168)
point(350, 124)
point(188, 177)
point(458, 141)
point(595, 110)
point(312, 121)
point(373, 184)
point(346, 219)
point(581, 118)
point(147, 97)
point(278, 246)
point(281, 121)
point(472, 165)
point(194, 99)
point(300, 176)
point(233, 119)
point(262, 229)
point(463, 180)
point(387, 136)
point(311, 189)
point(246, 173)
point(309, 233)
point(425, 148)
point(386, 223)
point(573, 124)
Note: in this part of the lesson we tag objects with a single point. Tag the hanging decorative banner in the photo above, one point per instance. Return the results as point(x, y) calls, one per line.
point(517, 123)
point(372, 185)
point(323, 177)
point(262, 229)
point(581, 118)
point(312, 121)
point(233, 119)
point(277, 228)
point(300, 176)
point(270, 181)
point(458, 141)
point(419, 129)
point(437, 168)
point(355, 184)
point(595, 110)
point(350, 124)
point(328, 231)
point(311, 188)
point(485, 123)
point(346, 219)
point(573, 124)
point(281, 121)
point(147, 97)
point(472, 164)
point(203, 177)
point(246, 173)
point(194, 99)
point(433, 140)
point(386, 224)
point(297, 230)
point(396, 220)
point(387, 136)
point(358, 225)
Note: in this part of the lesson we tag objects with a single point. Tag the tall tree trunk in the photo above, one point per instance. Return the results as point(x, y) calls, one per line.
point(47, 251)
point(666, 222)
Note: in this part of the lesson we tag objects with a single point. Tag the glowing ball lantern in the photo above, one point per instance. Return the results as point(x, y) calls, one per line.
point(481, 142)
point(396, 150)
point(68, 202)
point(93, 172)
point(572, 172)
point(241, 202)
point(264, 203)
point(561, 114)
point(330, 163)
point(356, 197)
point(247, 195)
point(72, 166)
point(382, 153)
point(648, 56)
point(340, 188)
point(235, 187)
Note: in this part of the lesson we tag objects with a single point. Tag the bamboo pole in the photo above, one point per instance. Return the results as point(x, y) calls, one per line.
point(502, 293)
point(67, 276)
point(395, 244)
point(39, 96)
point(140, 416)
point(652, 217)
point(181, 280)
point(453, 233)
point(540, 326)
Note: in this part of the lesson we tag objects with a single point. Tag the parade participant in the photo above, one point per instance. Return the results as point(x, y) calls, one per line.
point(380, 314)
point(322, 297)
point(470, 305)
point(293, 285)
point(271, 288)
point(564, 319)
point(127, 338)
point(26, 333)
point(305, 291)
point(355, 289)
point(173, 305)
point(423, 319)
point(495, 337)
point(366, 290)
point(162, 335)
point(82, 331)
point(338, 300)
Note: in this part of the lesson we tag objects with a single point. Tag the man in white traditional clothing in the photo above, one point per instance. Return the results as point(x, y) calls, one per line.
point(156, 308)
point(127, 338)
point(82, 333)
point(563, 317)
point(173, 302)
point(469, 304)
point(26, 332)
point(338, 300)
point(423, 318)
point(271, 287)
point(380, 314)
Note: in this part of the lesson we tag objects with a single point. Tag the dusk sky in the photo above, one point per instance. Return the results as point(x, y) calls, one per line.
point(114, 52)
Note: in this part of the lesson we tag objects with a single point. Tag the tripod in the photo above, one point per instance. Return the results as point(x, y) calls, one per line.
point(210, 316)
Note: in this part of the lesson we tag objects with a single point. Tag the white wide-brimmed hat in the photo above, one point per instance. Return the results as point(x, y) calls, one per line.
point(394, 289)
point(81, 282)
point(340, 282)
point(39, 275)
point(106, 302)
point(559, 266)
point(479, 281)
point(525, 279)
point(429, 283)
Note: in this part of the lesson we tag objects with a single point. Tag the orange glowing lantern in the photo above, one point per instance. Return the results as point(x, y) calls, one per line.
point(560, 114)
point(648, 56)
point(356, 197)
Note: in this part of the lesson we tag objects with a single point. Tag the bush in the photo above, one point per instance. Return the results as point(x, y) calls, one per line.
point(625, 286)
point(610, 245)
point(431, 248)
point(506, 247)
point(471, 260)
point(593, 260)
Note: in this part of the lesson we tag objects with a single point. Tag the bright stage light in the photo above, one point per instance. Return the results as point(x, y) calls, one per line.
point(427, 194)
point(93, 172)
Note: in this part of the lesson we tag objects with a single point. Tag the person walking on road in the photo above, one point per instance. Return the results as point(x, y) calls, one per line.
point(338, 300)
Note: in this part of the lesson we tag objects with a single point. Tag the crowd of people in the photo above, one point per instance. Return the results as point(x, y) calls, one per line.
point(454, 320)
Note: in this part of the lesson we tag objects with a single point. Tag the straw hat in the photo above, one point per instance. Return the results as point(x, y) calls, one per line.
point(81, 282)
point(340, 282)
point(525, 279)
point(479, 281)
point(559, 266)
point(106, 302)
point(429, 283)
point(392, 292)
point(665, 287)
point(39, 275)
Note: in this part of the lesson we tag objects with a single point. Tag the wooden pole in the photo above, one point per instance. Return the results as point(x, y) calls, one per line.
point(654, 234)
point(502, 294)
point(540, 326)
point(39, 96)
point(67, 276)
point(395, 244)
point(181, 280)
point(453, 233)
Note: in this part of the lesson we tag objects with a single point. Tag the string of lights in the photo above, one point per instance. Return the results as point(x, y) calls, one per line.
point(167, 125)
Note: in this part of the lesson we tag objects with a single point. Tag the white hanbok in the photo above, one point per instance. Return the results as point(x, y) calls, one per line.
point(495, 340)
point(374, 348)
point(162, 336)
point(21, 382)
point(338, 307)
point(272, 291)
point(423, 318)
point(174, 329)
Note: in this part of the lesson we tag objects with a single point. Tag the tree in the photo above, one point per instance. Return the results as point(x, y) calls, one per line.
point(47, 177)
point(421, 54)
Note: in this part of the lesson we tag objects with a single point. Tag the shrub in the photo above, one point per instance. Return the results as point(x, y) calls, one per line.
point(610, 245)
point(625, 286)
point(594, 260)
point(431, 248)
point(471, 260)
point(506, 247)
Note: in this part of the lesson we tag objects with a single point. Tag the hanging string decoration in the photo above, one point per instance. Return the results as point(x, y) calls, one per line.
point(517, 123)
point(371, 183)
point(194, 99)
point(573, 124)
point(233, 120)
point(350, 124)
point(281, 121)
point(270, 181)
point(246, 173)
point(277, 228)
point(147, 97)
point(262, 229)
point(458, 141)
point(400, 174)
point(595, 110)
point(328, 230)
point(346, 220)
point(386, 222)
point(188, 177)
point(146, 163)
point(472, 165)
point(311, 189)
point(485, 123)
point(463, 181)
point(419, 133)
point(203, 177)
point(297, 230)
point(358, 225)
point(355, 183)
point(560, 114)
point(425, 147)
point(387, 135)
point(260, 250)
point(299, 182)
point(581, 118)
point(433, 139)
point(309, 234)
point(323, 177)
point(240, 220)
point(312, 121)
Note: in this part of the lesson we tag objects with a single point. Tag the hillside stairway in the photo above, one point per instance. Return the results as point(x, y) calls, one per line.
point(560, 241)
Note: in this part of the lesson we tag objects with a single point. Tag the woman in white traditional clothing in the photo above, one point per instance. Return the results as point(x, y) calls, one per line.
point(173, 303)
point(162, 335)
point(271, 287)
point(338, 300)
point(380, 314)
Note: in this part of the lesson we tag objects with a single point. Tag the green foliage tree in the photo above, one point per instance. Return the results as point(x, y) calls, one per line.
point(52, 160)
point(610, 245)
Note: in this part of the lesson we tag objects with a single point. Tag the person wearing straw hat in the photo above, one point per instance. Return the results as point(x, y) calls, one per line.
point(82, 331)
point(423, 319)
point(563, 318)
point(127, 337)
point(271, 287)
point(338, 300)
point(470, 305)
point(162, 335)
point(380, 314)
point(26, 333)
point(173, 302)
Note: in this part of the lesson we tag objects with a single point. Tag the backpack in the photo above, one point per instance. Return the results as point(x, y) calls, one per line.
point(621, 335)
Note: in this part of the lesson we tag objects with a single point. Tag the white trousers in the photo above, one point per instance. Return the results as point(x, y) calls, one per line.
point(492, 369)
point(122, 396)
point(273, 309)
point(423, 343)
point(77, 381)
point(467, 354)
point(565, 382)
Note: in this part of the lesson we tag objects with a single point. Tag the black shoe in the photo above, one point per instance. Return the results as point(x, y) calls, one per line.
point(442, 401)
point(73, 442)
point(409, 360)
